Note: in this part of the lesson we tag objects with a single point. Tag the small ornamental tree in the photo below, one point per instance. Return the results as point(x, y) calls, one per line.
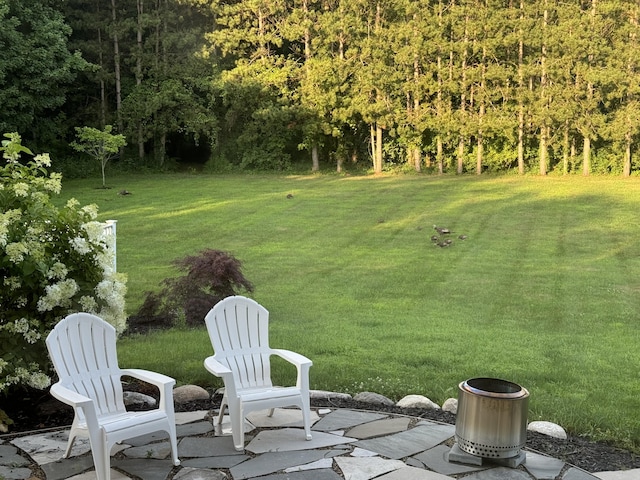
point(210, 276)
point(53, 262)
point(99, 144)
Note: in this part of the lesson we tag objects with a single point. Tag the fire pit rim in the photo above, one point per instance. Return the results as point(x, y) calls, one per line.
point(518, 391)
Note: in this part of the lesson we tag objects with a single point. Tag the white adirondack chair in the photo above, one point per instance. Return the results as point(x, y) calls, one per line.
point(239, 331)
point(82, 348)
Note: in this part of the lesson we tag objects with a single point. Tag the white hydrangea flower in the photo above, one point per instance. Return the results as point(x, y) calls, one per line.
point(54, 184)
point(72, 203)
point(80, 245)
point(58, 270)
point(95, 231)
point(32, 336)
point(39, 380)
point(91, 210)
point(21, 189)
point(42, 160)
point(39, 197)
point(16, 251)
point(57, 294)
point(21, 325)
point(88, 304)
point(12, 283)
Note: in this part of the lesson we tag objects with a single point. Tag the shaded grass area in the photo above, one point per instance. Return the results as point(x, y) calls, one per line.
point(544, 292)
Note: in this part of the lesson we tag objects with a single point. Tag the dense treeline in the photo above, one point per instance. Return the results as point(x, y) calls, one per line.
point(439, 85)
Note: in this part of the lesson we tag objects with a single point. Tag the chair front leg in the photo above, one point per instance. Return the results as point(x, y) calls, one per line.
point(236, 414)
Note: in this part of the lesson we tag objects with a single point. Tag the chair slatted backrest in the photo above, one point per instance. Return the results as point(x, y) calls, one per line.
point(239, 332)
point(82, 348)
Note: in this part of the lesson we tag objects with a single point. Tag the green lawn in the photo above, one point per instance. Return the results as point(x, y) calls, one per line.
point(544, 292)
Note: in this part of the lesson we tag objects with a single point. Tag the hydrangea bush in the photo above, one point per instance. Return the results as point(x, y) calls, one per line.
point(53, 261)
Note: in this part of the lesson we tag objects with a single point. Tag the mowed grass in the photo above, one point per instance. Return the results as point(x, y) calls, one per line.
point(545, 291)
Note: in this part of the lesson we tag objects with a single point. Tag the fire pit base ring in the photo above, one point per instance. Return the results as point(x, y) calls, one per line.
point(488, 451)
point(456, 455)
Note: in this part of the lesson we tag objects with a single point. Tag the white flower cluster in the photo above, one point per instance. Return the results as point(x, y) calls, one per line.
point(58, 295)
point(25, 328)
point(32, 376)
point(52, 256)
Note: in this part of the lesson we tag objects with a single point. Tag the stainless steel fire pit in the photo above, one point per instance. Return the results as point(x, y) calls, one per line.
point(492, 418)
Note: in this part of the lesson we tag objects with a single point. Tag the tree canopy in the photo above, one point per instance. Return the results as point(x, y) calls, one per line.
point(436, 85)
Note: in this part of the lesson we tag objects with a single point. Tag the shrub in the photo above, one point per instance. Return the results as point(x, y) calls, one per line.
point(53, 261)
point(210, 276)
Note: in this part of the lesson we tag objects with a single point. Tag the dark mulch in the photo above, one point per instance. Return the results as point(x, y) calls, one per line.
point(37, 410)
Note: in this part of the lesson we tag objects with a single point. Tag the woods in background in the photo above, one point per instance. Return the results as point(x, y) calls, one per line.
point(440, 86)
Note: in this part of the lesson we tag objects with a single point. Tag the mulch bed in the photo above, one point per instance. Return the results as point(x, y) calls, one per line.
point(37, 410)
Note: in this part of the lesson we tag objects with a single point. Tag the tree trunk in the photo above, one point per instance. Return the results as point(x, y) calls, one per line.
point(543, 150)
point(521, 88)
point(543, 95)
point(586, 156)
point(378, 163)
point(565, 149)
point(116, 63)
point(315, 159)
point(103, 93)
point(627, 155)
point(482, 111)
point(140, 5)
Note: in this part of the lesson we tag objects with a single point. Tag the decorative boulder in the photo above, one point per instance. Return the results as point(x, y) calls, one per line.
point(371, 397)
point(417, 401)
point(189, 393)
point(450, 405)
point(138, 400)
point(326, 395)
point(548, 428)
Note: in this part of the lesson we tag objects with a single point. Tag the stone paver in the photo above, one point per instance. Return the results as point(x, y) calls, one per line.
point(633, 474)
point(379, 427)
point(412, 473)
point(292, 439)
point(346, 445)
point(542, 467)
point(359, 468)
point(409, 442)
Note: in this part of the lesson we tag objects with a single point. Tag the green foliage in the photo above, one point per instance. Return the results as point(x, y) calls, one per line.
point(36, 67)
point(53, 261)
point(210, 276)
point(101, 145)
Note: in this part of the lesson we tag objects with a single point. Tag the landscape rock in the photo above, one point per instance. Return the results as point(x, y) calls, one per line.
point(548, 428)
point(326, 395)
point(138, 400)
point(450, 405)
point(189, 393)
point(371, 397)
point(417, 401)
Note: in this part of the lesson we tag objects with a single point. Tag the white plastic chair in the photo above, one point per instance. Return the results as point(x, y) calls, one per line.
point(82, 348)
point(239, 331)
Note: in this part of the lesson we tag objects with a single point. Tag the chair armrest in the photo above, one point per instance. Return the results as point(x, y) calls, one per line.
point(154, 378)
point(78, 401)
point(302, 364)
point(292, 357)
point(163, 382)
point(70, 397)
point(216, 368)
